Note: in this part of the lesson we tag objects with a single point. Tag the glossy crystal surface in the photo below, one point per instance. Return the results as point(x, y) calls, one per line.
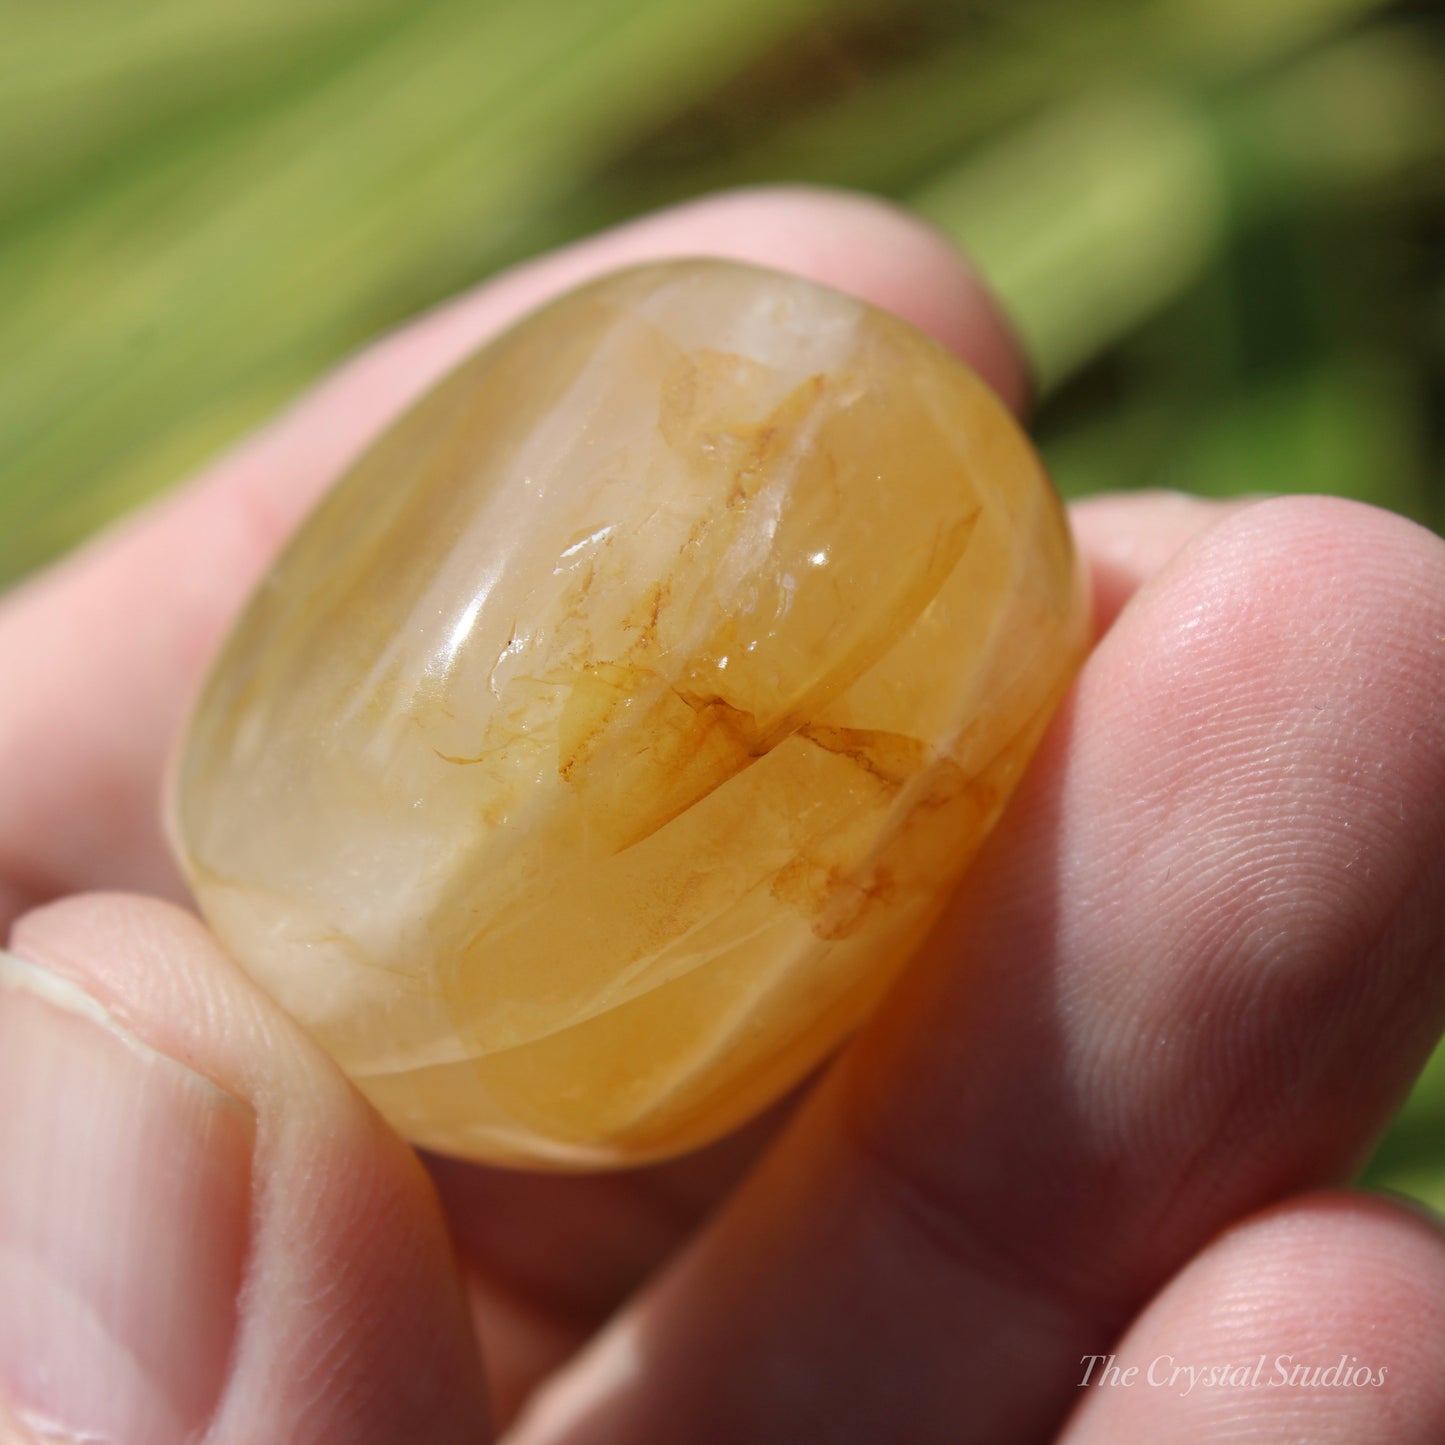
point(598, 750)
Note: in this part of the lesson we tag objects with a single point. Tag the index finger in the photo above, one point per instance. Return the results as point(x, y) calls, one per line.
point(102, 653)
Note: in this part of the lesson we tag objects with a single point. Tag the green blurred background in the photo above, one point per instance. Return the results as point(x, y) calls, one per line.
point(1217, 223)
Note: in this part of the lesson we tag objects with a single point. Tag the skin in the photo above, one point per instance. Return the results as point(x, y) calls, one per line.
point(1112, 1107)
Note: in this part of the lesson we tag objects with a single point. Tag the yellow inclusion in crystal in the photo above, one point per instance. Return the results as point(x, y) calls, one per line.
point(597, 752)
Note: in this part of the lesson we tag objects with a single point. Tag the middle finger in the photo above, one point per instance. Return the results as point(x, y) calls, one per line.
point(1192, 974)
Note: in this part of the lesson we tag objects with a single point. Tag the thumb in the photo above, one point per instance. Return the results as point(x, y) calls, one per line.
point(204, 1230)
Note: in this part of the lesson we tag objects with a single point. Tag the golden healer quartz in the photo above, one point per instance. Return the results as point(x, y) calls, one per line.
point(592, 758)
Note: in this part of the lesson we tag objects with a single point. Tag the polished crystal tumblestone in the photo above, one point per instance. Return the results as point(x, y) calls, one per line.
point(593, 757)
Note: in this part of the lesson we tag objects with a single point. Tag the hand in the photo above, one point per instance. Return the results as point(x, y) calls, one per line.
point(1183, 989)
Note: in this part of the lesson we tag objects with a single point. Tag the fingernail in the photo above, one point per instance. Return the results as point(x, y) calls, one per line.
point(125, 1197)
point(12, 1432)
